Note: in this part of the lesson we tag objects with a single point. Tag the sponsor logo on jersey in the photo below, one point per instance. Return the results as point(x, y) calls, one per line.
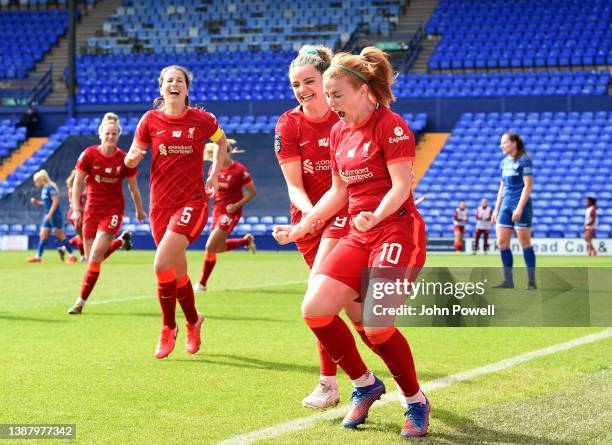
point(190, 132)
point(277, 142)
point(307, 166)
point(357, 174)
point(165, 150)
point(303, 143)
point(103, 179)
point(400, 136)
point(160, 131)
point(324, 142)
point(177, 133)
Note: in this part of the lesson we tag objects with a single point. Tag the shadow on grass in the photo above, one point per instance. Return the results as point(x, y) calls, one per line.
point(4, 316)
point(179, 316)
point(466, 431)
point(238, 361)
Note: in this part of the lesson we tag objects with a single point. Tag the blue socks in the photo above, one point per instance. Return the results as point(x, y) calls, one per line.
point(41, 247)
point(506, 256)
point(530, 262)
point(68, 246)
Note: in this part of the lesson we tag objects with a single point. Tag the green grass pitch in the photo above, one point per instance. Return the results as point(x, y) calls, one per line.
point(258, 361)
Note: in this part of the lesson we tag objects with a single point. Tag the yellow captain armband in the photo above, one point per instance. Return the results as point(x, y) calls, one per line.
point(217, 135)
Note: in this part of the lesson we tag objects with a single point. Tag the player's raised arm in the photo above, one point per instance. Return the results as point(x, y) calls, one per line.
point(135, 155)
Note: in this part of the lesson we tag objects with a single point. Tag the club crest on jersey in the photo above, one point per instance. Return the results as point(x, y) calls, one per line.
point(162, 150)
point(177, 133)
point(190, 132)
point(351, 153)
point(277, 142)
point(108, 170)
point(118, 169)
point(365, 150)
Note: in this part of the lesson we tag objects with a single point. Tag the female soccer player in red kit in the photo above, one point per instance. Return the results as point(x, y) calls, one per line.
point(76, 240)
point(176, 134)
point(302, 148)
point(372, 154)
point(229, 200)
point(103, 165)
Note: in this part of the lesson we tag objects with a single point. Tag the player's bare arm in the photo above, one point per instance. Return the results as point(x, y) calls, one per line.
point(77, 190)
point(500, 194)
point(136, 154)
point(218, 159)
point(137, 198)
point(525, 194)
point(292, 171)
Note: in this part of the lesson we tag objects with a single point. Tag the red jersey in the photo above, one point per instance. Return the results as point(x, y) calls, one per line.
point(231, 181)
point(300, 138)
point(360, 156)
point(105, 175)
point(177, 150)
point(460, 217)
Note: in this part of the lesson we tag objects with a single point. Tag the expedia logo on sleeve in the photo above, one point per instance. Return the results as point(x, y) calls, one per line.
point(277, 142)
point(400, 136)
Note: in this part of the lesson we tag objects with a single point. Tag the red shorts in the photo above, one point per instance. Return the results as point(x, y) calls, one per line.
point(188, 221)
point(224, 220)
point(337, 228)
point(459, 229)
point(92, 223)
point(399, 242)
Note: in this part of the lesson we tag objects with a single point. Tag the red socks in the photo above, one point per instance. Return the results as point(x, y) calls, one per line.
point(166, 294)
point(359, 328)
point(89, 280)
point(184, 295)
point(76, 241)
point(338, 341)
point(327, 365)
point(233, 243)
point(209, 264)
point(393, 348)
point(115, 244)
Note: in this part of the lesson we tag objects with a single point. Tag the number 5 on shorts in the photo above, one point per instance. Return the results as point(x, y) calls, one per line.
point(186, 215)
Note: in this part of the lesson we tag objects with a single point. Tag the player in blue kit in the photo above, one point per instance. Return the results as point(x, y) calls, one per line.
point(53, 219)
point(513, 209)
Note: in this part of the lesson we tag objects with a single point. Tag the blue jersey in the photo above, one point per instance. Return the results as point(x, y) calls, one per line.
point(513, 172)
point(48, 192)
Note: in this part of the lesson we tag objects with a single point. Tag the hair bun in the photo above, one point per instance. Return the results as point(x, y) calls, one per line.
point(110, 117)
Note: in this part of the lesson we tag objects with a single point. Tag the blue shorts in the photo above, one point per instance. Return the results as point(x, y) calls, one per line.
point(504, 219)
point(56, 222)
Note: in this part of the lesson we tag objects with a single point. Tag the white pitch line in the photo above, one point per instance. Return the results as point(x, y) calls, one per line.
point(309, 421)
point(258, 286)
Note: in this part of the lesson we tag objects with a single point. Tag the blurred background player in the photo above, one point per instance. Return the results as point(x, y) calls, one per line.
point(53, 220)
point(176, 134)
point(590, 223)
point(101, 219)
point(301, 144)
point(483, 226)
point(227, 210)
point(460, 217)
point(513, 208)
point(76, 240)
point(372, 154)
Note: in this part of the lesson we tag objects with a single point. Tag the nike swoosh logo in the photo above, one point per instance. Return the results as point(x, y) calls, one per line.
point(303, 143)
point(160, 132)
